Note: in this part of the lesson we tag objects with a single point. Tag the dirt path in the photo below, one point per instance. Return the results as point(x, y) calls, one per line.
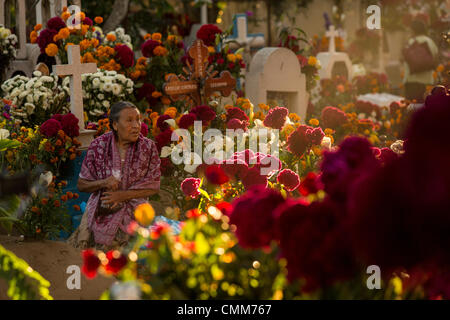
point(51, 259)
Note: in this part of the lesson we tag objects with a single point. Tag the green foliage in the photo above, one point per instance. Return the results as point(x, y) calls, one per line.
point(24, 283)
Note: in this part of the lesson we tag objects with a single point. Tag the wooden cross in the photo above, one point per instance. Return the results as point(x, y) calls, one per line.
point(332, 33)
point(75, 69)
point(200, 82)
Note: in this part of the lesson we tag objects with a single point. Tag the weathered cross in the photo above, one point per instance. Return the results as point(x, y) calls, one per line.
point(200, 83)
point(20, 23)
point(332, 33)
point(75, 69)
point(241, 35)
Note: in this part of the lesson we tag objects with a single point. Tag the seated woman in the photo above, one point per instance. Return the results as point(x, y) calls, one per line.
point(121, 170)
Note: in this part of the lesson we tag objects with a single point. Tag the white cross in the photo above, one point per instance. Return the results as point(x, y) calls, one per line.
point(203, 10)
point(332, 33)
point(75, 69)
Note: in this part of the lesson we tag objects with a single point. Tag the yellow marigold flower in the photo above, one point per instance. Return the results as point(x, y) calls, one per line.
point(314, 122)
point(239, 56)
point(156, 36)
point(287, 130)
point(160, 51)
point(144, 214)
point(98, 20)
point(171, 112)
point(51, 50)
point(263, 106)
point(111, 37)
point(211, 49)
point(294, 117)
point(172, 38)
point(84, 29)
point(231, 57)
point(246, 105)
point(65, 15)
point(331, 137)
point(312, 61)
point(154, 115)
point(156, 94)
point(328, 131)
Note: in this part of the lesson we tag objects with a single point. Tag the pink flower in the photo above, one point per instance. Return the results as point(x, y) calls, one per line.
point(190, 187)
point(289, 179)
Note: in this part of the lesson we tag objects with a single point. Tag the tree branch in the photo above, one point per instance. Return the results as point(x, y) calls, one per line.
point(118, 13)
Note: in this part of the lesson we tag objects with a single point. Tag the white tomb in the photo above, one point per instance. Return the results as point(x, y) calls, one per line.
point(276, 71)
point(380, 99)
point(328, 60)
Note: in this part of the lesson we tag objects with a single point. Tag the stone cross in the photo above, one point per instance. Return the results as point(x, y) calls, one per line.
point(75, 69)
point(332, 33)
point(200, 81)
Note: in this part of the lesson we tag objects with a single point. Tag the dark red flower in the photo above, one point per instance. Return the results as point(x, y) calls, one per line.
point(276, 118)
point(145, 92)
point(298, 141)
point(163, 139)
point(333, 117)
point(311, 184)
point(190, 186)
point(124, 55)
point(236, 113)
point(88, 21)
point(253, 215)
point(207, 33)
point(148, 47)
point(57, 117)
point(216, 175)
point(225, 207)
point(90, 263)
point(144, 129)
point(161, 124)
point(289, 179)
point(45, 38)
point(166, 166)
point(253, 177)
point(187, 120)
point(204, 113)
point(236, 124)
point(56, 23)
point(69, 124)
point(315, 135)
point(50, 128)
point(235, 168)
point(116, 262)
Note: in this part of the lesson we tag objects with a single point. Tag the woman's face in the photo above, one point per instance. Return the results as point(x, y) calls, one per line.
point(129, 125)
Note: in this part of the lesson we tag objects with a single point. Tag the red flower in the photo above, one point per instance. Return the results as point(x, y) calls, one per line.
point(145, 92)
point(124, 55)
point(276, 118)
point(50, 128)
point(254, 177)
point(190, 187)
point(311, 184)
point(161, 124)
point(235, 168)
point(45, 38)
point(144, 129)
point(148, 47)
point(236, 113)
point(315, 135)
point(69, 124)
point(225, 207)
point(231, 65)
point(207, 33)
point(333, 117)
point(289, 179)
point(298, 141)
point(204, 113)
point(216, 175)
point(253, 215)
point(163, 139)
point(88, 21)
point(187, 120)
point(116, 262)
point(56, 24)
point(236, 124)
point(166, 166)
point(90, 263)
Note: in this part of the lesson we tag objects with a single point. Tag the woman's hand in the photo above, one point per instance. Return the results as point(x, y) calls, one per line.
point(111, 183)
point(114, 198)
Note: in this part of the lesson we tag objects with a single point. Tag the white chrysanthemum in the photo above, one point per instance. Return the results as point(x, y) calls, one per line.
point(106, 104)
point(4, 134)
point(30, 107)
point(107, 87)
point(116, 89)
point(37, 73)
point(96, 83)
point(101, 96)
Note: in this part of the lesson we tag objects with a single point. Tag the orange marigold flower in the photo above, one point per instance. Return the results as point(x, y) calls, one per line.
point(111, 37)
point(166, 77)
point(142, 60)
point(57, 203)
point(77, 207)
point(98, 20)
point(33, 34)
point(65, 15)
point(76, 195)
point(160, 51)
point(156, 36)
point(156, 94)
point(64, 33)
point(84, 29)
point(58, 143)
point(148, 36)
point(44, 201)
point(51, 50)
point(34, 209)
point(64, 183)
point(38, 27)
point(72, 156)
point(69, 194)
point(165, 100)
point(64, 198)
point(171, 112)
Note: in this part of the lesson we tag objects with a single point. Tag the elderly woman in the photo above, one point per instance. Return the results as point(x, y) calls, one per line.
point(121, 170)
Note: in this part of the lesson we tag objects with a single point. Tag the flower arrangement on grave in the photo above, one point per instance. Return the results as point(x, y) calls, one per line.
point(373, 82)
point(101, 90)
point(162, 57)
point(8, 42)
point(118, 37)
point(34, 99)
point(47, 213)
point(321, 44)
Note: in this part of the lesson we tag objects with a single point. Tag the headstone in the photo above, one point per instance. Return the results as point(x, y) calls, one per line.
point(380, 99)
point(242, 37)
point(275, 73)
point(329, 59)
point(75, 69)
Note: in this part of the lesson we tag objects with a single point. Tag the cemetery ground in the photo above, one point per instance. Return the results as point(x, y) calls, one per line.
point(349, 174)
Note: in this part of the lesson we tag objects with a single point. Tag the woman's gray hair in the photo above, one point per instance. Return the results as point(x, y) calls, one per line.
point(114, 113)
